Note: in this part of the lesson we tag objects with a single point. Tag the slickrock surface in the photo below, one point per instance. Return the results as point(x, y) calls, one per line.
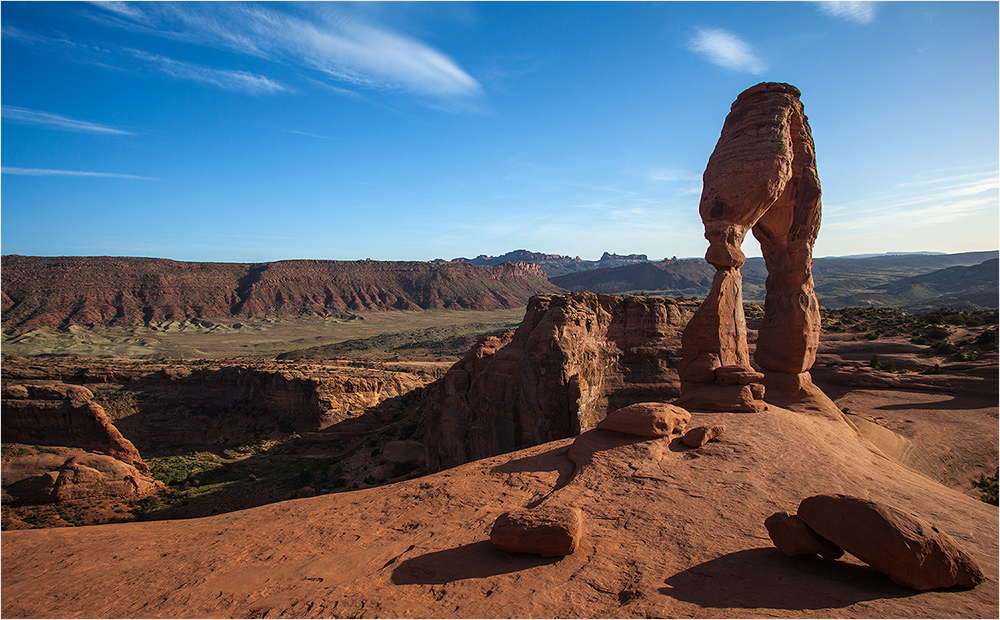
point(573, 358)
point(671, 532)
point(761, 176)
point(103, 290)
point(909, 550)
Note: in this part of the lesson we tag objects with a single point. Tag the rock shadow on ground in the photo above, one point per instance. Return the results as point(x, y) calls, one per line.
point(764, 578)
point(472, 561)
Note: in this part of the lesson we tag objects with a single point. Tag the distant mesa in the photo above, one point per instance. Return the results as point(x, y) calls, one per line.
point(102, 291)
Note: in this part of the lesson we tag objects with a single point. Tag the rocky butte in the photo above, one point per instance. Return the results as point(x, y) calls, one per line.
point(635, 512)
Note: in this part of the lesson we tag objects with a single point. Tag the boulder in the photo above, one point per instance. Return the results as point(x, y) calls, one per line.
point(548, 531)
point(646, 420)
point(793, 537)
point(909, 550)
point(701, 435)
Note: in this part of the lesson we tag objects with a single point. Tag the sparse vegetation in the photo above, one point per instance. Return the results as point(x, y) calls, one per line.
point(990, 488)
point(934, 329)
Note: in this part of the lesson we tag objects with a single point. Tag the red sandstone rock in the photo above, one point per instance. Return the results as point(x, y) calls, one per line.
point(56, 414)
point(793, 537)
point(547, 531)
point(73, 474)
point(701, 435)
point(761, 176)
point(723, 398)
point(910, 551)
point(646, 420)
point(101, 290)
point(573, 358)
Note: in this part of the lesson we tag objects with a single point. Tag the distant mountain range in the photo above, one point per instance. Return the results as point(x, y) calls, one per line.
point(99, 291)
point(554, 264)
point(912, 281)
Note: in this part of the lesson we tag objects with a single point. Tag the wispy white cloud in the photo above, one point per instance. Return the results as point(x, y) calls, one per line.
point(56, 121)
point(930, 200)
point(726, 50)
point(47, 172)
point(135, 60)
point(857, 12)
point(325, 39)
point(227, 79)
point(310, 135)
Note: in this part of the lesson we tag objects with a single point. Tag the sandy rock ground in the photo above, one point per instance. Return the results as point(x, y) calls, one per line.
point(669, 532)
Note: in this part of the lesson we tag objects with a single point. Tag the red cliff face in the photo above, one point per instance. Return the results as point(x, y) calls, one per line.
point(102, 290)
point(573, 358)
point(56, 414)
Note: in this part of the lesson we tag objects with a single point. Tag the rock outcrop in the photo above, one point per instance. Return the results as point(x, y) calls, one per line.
point(909, 550)
point(646, 420)
point(761, 177)
point(70, 474)
point(572, 359)
point(56, 414)
point(171, 404)
point(103, 290)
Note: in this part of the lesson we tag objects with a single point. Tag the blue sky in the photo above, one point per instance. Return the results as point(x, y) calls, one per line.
point(414, 131)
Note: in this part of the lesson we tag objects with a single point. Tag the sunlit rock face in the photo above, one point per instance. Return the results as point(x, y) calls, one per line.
point(573, 359)
point(762, 178)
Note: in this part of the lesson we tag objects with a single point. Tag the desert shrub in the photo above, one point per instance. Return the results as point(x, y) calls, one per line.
point(938, 332)
point(989, 339)
point(875, 363)
point(932, 370)
point(918, 340)
point(944, 347)
point(990, 489)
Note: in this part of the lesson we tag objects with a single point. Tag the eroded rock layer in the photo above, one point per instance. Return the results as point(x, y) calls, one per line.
point(573, 359)
point(761, 177)
point(56, 414)
point(103, 290)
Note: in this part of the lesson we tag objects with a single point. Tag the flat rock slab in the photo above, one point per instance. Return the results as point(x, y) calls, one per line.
point(548, 531)
point(910, 551)
point(646, 420)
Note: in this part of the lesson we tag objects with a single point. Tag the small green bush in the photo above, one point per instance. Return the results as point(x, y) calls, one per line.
point(989, 487)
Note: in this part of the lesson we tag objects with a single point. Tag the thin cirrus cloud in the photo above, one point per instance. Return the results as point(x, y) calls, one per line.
point(226, 79)
point(326, 40)
point(139, 61)
point(57, 121)
point(48, 172)
point(857, 12)
point(726, 50)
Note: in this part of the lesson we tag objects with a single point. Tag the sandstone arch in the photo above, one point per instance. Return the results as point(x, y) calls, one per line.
point(761, 178)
